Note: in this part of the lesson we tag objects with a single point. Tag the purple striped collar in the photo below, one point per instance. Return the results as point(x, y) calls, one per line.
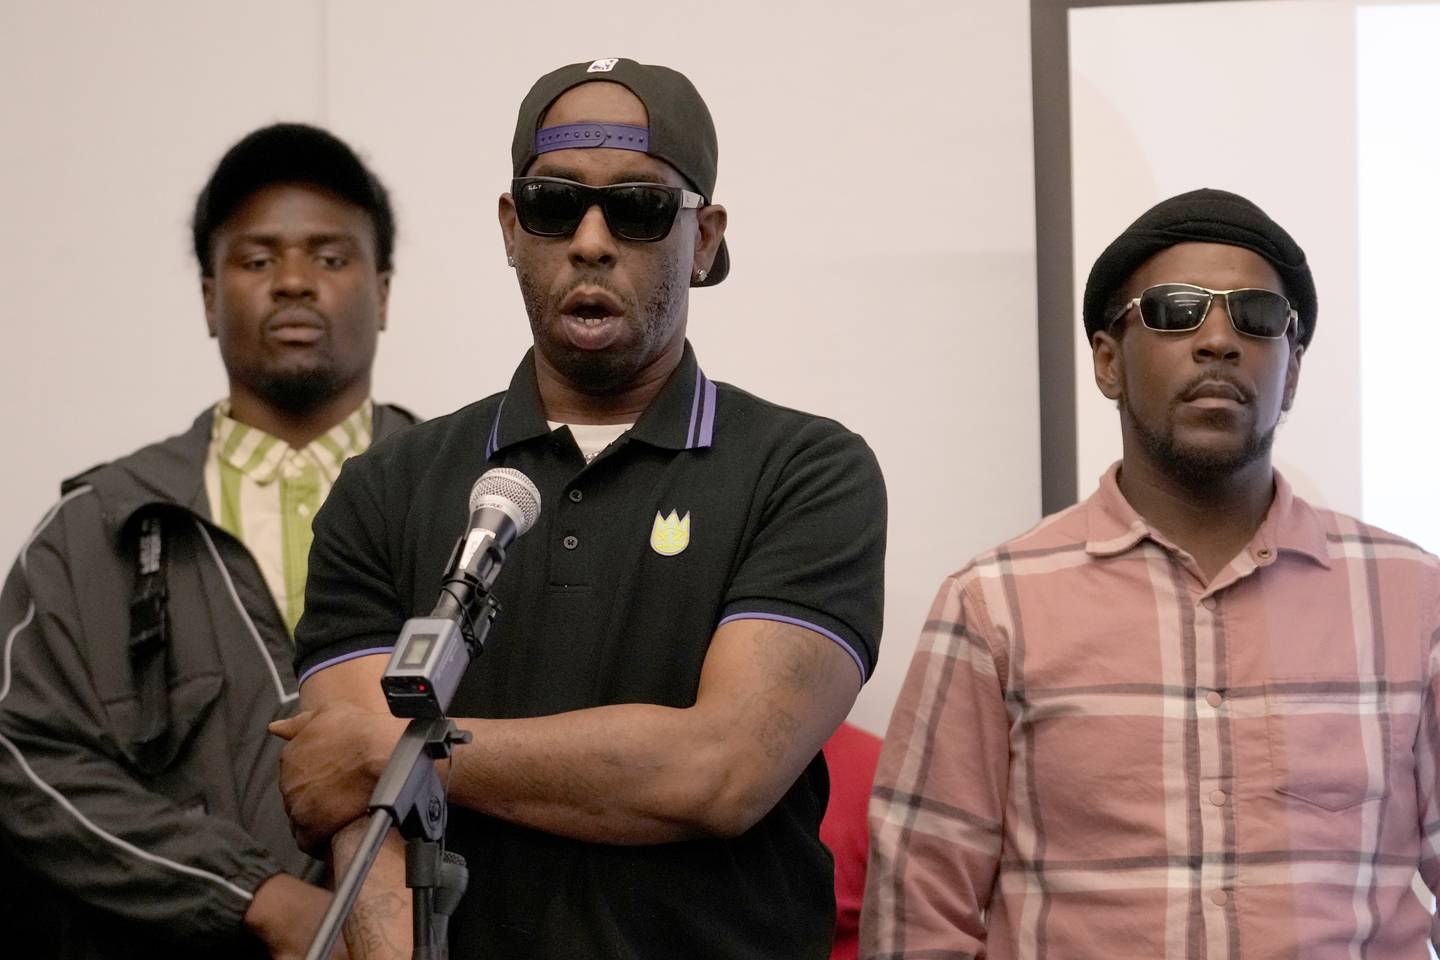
point(682, 417)
point(492, 443)
point(702, 413)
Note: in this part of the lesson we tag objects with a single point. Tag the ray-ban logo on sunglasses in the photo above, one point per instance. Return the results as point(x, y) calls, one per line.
point(603, 66)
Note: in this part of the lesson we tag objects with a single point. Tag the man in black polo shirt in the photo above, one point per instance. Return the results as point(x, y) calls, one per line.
point(689, 620)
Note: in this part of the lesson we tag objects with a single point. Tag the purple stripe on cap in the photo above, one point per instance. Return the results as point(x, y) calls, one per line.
point(352, 655)
point(707, 422)
point(571, 136)
point(796, 621)
point(493, 443)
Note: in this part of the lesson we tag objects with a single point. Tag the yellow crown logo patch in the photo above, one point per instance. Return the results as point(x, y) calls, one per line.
point(670, 535)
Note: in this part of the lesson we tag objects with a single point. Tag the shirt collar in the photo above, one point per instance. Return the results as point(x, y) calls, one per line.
point(1294, 525)
point(1113, 526)
point(259, 455)
point(682, 417)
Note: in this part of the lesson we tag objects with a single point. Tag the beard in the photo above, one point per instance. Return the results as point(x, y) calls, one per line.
point(651, 324)
point(1193, 465)
point(295, 390)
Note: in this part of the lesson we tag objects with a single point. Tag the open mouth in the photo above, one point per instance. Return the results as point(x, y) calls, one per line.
point(592, 317)
point(590, 314)
point(591, 303)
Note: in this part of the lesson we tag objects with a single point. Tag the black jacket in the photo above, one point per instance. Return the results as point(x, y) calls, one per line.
point(117, 850)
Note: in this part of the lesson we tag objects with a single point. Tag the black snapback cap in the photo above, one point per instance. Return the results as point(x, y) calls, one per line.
point(681, 131)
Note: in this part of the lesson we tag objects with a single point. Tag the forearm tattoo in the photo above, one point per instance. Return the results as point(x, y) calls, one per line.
point(367, 932)
point(791, 663)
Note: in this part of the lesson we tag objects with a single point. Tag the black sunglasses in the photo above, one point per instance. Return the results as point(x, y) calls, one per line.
point(1181, 307)
point(552, 207)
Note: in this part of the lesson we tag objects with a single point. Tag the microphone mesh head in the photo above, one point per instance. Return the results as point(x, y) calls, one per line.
point(513, 487)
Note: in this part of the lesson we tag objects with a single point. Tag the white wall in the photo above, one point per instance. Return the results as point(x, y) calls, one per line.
point(911, 320)
point(1399, 155)
point(1256, 97)
point(112, 118)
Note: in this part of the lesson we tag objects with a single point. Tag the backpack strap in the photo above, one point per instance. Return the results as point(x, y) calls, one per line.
point(149, 634)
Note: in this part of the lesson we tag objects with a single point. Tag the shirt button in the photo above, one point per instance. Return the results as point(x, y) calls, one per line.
point(1208, 603)
point(571, 542)
point(1218, 797)
point(1263, 553)
point(576, 496)
point(1219, 897)
point(1214, 699)
point(303, 509)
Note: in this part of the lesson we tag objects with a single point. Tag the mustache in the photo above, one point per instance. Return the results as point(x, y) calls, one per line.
point(1243, 389)
point(595, 281)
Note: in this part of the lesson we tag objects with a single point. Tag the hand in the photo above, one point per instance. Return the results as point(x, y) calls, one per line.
point(329, 768)
point(285, 914)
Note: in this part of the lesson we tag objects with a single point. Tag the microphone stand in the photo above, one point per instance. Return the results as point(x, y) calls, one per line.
point(409, 795)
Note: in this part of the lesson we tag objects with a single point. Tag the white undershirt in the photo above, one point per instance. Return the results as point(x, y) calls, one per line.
point(591, 438)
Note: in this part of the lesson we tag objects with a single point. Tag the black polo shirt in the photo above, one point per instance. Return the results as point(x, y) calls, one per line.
point(716, 505)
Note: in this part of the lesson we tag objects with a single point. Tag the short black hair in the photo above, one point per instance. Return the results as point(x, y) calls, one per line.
point(290, 153)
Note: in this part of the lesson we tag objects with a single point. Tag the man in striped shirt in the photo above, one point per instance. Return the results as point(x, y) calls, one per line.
point(148, 622)
point(264, 492)
point(1193, 716)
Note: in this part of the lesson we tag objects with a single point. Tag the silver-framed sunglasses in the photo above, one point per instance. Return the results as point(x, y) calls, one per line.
point(1182, 307)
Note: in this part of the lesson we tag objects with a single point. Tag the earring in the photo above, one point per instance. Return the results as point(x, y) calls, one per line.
point(700, 275)
point(509, 260)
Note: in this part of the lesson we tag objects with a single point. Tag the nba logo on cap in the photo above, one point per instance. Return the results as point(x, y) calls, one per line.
point(603, 66)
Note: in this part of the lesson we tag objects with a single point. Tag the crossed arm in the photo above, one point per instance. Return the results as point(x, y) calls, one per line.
point(770, 694)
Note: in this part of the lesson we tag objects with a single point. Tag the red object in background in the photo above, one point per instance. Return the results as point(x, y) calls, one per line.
point(851, 755)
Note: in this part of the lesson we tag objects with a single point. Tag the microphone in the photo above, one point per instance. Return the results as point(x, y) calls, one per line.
point(503, 505)
point(433, 653)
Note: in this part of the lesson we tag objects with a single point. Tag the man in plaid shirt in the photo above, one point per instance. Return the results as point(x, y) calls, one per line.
point(1192, 716)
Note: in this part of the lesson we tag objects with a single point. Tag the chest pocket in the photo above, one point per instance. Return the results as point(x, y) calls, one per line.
point(1329, 740)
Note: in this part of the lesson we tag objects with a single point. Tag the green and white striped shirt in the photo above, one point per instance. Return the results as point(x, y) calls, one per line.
point(265, 493)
